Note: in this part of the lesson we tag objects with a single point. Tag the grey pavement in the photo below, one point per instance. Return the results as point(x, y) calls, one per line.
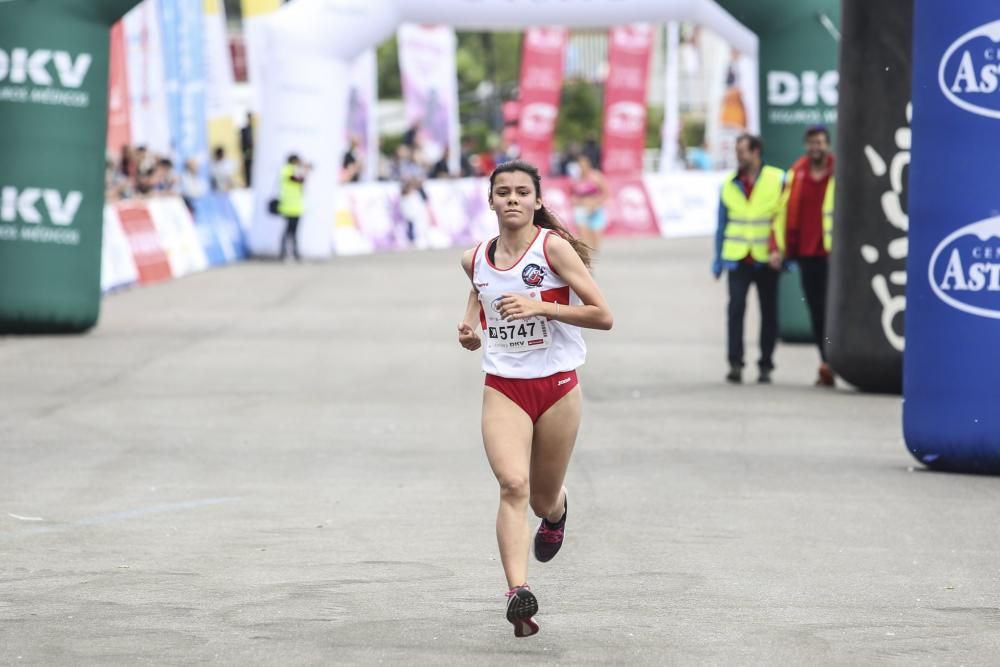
point(281, 464)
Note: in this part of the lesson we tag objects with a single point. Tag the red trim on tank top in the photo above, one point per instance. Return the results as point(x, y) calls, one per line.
point(545, 251)
point(538, 230)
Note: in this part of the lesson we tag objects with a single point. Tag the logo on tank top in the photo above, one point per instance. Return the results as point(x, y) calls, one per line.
point(533, 275)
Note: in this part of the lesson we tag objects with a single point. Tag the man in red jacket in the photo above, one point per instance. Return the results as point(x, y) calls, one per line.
point(803, 231)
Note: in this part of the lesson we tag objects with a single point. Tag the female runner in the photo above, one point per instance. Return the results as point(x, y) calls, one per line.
point(531, 292)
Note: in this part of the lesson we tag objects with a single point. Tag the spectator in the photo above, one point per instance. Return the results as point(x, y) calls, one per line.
point(353, 163)
point(590, 193)
point(749, 202)
point(440, 169)
point(569, 165)
point(804, 232)
point(222, 172)
point(592, 151)
point(413, 208)
point(291, 201)
point(467, 157)
point(406, 167)
point(192, 184)
point(246, 146)
point(166, 181)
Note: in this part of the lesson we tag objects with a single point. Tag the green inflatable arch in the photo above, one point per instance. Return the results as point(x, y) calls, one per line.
point(53, 101)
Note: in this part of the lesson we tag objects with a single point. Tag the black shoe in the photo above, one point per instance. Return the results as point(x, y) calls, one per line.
point(765, 376)
point(549, 537)
point(521, 606)
point(735, 374)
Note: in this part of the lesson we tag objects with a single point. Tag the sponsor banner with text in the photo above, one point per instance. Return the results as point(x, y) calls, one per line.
point(118, 268)
point(430, 88)
point(119, 126)
point(178, 236)
point(149, 120)
point(542, 61)
point(147, 251)
point(629, 51)
point(686, 202)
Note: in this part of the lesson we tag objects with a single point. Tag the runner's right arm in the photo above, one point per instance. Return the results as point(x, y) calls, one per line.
point(467, 336)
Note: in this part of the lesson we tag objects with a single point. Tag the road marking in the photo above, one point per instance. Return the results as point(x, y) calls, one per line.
point(114, 517)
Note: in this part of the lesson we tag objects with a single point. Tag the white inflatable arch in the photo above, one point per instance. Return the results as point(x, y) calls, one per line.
point(304, 73)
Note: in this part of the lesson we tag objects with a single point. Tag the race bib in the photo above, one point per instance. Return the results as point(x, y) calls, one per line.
point(533, 333)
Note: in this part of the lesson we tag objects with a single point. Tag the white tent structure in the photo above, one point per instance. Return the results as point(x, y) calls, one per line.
point(304, 78)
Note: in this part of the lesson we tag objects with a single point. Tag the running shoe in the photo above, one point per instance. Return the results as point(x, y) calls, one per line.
point(521, 606)
point(549, 538)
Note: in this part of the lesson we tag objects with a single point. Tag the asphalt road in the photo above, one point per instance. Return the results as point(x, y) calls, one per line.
point(281, 464)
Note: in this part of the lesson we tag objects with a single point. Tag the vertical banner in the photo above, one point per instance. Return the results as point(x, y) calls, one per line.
point(362, 121)
point(671, 131)
point(53, 138)
point(951, 419)
point(866, 298)
point(430, 89)
point(182, 27)
point(119, 131)
point(219, 99)
point(542, 61)
point(629, 51)
point(148, 117)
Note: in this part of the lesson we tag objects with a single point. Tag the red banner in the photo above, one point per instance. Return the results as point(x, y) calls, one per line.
point(629, 50)
point(119, 130)
point(540, 90)
point(629, 207)
point(150, 258)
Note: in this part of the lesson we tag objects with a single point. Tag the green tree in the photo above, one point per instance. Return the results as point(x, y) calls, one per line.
point(580, 113)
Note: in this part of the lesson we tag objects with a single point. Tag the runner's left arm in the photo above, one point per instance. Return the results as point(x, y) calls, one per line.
point(593, 314)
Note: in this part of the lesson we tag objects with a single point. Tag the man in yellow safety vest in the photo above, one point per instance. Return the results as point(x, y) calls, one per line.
point(750, 201)
point(803, 232)
point(291, 201)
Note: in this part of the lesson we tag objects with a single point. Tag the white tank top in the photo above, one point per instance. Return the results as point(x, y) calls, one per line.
point(533, 348)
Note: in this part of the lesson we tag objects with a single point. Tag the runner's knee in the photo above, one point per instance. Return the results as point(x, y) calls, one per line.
point(514, 487)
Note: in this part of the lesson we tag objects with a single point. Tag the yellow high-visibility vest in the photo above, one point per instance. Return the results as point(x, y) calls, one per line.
point(749, 221)
point(291, 201)
point(781, 221)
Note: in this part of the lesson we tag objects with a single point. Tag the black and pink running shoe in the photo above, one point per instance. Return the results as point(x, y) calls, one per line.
point(521, 606)
point(549, 538)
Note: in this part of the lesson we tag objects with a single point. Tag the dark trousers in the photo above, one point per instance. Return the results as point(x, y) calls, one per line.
point(814, 272)
point(291, 233)
point(766, 280)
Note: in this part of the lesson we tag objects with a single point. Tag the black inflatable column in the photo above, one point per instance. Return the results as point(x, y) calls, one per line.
point(868, 265)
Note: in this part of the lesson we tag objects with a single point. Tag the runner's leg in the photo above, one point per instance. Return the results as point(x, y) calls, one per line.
point(507, 433)
point(552, 445)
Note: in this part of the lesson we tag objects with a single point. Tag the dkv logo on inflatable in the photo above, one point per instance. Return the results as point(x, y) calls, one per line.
point(969, 74)
point(964, 269)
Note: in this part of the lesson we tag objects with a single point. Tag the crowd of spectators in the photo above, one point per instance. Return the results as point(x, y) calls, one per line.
point(138, 173)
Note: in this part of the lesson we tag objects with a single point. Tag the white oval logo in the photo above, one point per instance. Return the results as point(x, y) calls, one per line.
point(626, 119)
point(964, 270)
point(539, 120)
point(969, 74)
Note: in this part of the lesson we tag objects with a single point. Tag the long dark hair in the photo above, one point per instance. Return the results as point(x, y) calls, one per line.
point(544, 218)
